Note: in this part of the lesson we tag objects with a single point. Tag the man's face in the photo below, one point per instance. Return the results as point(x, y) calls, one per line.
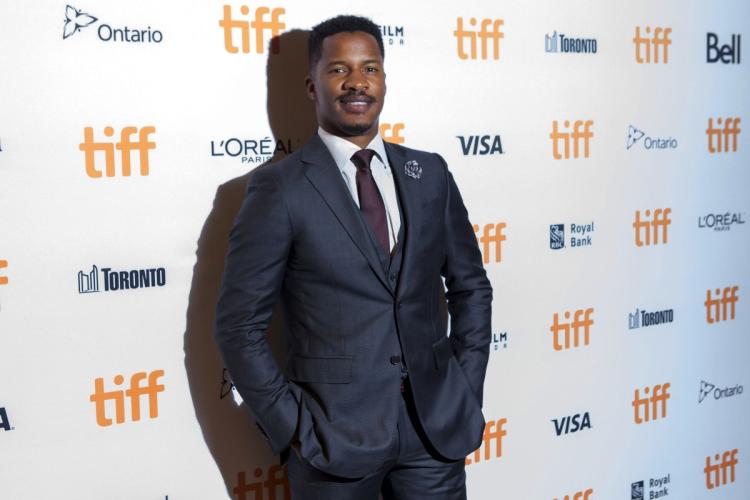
point(348, 85)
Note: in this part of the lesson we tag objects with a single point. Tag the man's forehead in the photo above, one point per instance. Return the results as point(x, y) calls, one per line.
point(345, 41)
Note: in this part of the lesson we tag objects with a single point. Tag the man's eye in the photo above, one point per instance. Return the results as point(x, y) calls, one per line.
point(372, 70)
point(337, 70)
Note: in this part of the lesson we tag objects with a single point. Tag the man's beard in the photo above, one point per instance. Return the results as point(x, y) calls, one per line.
point(355, 129)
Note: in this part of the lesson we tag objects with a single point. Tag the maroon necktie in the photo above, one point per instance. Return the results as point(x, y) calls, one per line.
point(370, 202)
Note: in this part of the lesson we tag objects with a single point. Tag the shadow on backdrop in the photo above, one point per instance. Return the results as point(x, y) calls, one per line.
point(249, 470)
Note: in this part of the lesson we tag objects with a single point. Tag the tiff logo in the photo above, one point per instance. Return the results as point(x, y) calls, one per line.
point(716, 134)
point(642, 411)
point(492, 234)
point(578, 323)
point(485, 33)
point(565, 137)
point(88, 283)
point(494, 432)
point(3, 265)
point(259, 24)
point(728, 461)
point(660, 42)
point(394, 136)
point(581, 495)
point(125, 146)
point(728, 297)
point(276, 481)
point(647, 231)
point(136, 390)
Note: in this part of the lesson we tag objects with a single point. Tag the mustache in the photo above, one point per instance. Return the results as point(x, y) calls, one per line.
point(357, 96)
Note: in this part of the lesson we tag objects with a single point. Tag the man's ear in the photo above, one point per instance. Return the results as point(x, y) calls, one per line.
point(310, 88)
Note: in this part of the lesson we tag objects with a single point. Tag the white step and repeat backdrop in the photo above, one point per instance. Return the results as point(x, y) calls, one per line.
point(602, 153)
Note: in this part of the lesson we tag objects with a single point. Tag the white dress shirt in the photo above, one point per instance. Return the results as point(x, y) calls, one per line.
point(342, 151)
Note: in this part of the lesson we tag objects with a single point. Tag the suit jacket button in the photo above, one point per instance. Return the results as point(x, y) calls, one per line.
point(393, 277)
point(395, 360)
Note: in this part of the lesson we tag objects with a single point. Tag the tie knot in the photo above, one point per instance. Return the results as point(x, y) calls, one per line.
point(362, 158)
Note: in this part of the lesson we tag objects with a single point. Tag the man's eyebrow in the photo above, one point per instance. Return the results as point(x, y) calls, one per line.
point(344, 63)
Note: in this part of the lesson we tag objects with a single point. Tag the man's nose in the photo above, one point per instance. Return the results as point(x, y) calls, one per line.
point(356, 80)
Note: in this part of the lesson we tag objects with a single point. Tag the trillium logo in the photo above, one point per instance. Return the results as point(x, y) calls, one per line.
point(706, 389)
point(634, 135)
point(75, 20)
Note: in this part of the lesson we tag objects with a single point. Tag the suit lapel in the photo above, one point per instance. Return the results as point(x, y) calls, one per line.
point(325, 176)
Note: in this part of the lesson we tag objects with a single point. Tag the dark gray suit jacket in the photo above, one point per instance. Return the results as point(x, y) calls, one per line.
point(300, 234)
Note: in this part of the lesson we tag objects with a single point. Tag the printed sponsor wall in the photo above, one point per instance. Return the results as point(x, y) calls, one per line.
point(600, 149)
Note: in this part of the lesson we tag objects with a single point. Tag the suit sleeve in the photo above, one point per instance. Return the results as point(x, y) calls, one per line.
point(469, 292)
point(259, 245)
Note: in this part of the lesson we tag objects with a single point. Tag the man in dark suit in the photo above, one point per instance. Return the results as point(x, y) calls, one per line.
point(355, 235)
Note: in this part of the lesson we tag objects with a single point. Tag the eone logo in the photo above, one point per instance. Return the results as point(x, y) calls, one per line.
point(143, 145)
point(136, 390)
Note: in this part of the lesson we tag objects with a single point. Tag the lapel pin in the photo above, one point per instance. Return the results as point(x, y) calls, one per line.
point(413, 169)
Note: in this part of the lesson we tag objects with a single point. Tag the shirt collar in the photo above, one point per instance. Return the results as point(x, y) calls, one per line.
point(342, 149)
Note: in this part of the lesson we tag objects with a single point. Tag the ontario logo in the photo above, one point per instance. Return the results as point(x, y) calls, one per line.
point(76, 20)
point(649, 143)
point(717, 393)
point(88, 282)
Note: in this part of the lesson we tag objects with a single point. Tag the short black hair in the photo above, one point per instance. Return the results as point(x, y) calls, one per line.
point(340, 24)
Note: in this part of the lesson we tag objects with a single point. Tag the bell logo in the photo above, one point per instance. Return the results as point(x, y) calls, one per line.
point(566, 136)
point(485, 33)
point(260, 25)
point(581, 495)
point(647, 231)
point(586, 322)
point(660, 42)
point(136, 390)
point(716, 473)
point(492, 234)
point(3, 265)
point(647, 408)
point(143, 145)
point(715, 135)
point(494, 431)
point(276, 481)
point(727, 54)
point(714, 314)
point(394, 136)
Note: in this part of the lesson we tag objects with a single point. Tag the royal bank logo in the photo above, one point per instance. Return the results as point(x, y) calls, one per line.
point(492, 440)
point(491, 238)
point(228, 388)
point(721, 222)
point(113, 280)
point(728, 53)
point(253, 151)
point(559, 42)
point(649, 143)
point(499, 341)
point(392, 34)
point(642, 318)
point(4, 420)
point(392, 132)
point(137, 389)
point(266, 25)
point(658, 487)
point(721, 470)
point(77, 20)
point(271, 484)
point(126, 145)
point(652, 45)
point(580, 235)
point(716, 393)
point(571, 423)
point(481, 145)
point(484, 35)
point(722, 137)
